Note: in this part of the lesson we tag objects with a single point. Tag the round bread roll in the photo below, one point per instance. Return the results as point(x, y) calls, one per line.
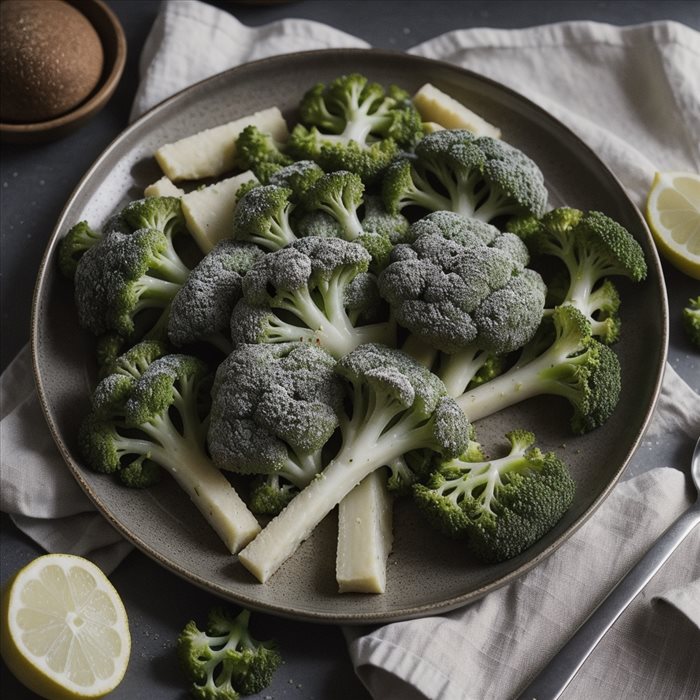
point(51, 59)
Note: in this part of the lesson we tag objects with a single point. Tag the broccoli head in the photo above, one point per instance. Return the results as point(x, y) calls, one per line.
point(691, 320)
point(501, 506)
point(258, 151)
point(79, 239)
point(354, 124)
point(262, 217)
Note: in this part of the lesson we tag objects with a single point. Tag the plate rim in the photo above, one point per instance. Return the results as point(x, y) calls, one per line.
point(351, 618)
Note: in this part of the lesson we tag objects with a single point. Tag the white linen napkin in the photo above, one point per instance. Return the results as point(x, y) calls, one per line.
point(634, 95)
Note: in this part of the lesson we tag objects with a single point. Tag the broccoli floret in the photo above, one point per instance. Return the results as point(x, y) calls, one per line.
point(123, 275)
point(397, 406)
point(224, 661)
point(300, 293)
point(258, 151)
point(201, 310)
point(353, 124)
point(570, 363)
point(339, 194)
point(79, 239)
point(270, 494)
point(143, 415)
point(468, 299)
point(592, 247)
point(691, 320)
point(501, 506)
point(262, 217)
point(160, 213)
point(477, 176)
point(299, 177)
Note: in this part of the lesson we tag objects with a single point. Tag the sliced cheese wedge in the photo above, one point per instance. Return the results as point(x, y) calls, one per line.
point(211, 152)
point(437, 106)
point(209, 210)
point(163, 188)
point(364, 536)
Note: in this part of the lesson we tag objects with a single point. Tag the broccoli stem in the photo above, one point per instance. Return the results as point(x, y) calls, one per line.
point(169, 265)
point(212, 493)
point(302, 469)
point(458, 369)
point(370, 440)
point(420, 351)
point(153, 288)
point(421, 193)
point(546, 374)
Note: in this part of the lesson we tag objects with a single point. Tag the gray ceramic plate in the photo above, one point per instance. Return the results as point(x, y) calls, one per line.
point(426, 574)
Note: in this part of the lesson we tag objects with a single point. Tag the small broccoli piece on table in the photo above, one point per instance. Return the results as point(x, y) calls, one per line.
point(274, 408)
point(477, 176)
point(201, 309)
point(151, 412)
point(501, 506)
point(397, 406)
point(305, 293)
point(123, 275)
point(224, 661)
point(262, 217)
point(563, 359)
point(592, 247)
point(691, 320)
point(353, 124)
point(79, 239)
point(462, 288)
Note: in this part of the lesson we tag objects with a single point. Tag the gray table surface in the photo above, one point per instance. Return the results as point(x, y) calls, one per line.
point(35, 182)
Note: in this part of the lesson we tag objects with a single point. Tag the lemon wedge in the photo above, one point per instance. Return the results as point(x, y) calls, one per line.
point(65, 632)
point(673, 214)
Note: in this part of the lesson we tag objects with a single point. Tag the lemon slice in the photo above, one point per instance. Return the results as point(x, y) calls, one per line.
point(673, 214)
point(65, 632)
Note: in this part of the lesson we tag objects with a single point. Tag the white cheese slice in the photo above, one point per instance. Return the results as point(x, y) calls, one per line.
point(211, 152)
point(209, 210)
point(437, 106)
point(163, 188)
point(364, 536)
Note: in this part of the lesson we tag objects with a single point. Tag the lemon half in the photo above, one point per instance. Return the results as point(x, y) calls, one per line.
point(673, 215)
point(65, 632)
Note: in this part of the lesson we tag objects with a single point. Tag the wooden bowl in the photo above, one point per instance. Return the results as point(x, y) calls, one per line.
point(113, 41)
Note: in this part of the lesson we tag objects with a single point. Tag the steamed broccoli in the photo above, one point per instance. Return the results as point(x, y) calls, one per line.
point(563, 359)
point(123, 275)
point(262, 217)
point(160, 213)
point(353, 124)
point(592, 247)
point(691, 320)
point(340, 195)
point(462, 288)
point(224, 661)
point(397, 406)
point(201, 309)
point(79, 239)
point(274, 408)
point(149, 411)
point(299, 177)
point(258, 151)
point(305, 292)
point(477, 176)
point(501, 506)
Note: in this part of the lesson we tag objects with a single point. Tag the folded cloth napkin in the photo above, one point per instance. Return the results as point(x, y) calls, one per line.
point(634, 95)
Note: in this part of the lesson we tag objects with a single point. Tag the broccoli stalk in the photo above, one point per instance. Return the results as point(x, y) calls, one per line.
point(397, 406)
point(502, 506)
point(132, 425)
point(574, 366)
point(224, 661)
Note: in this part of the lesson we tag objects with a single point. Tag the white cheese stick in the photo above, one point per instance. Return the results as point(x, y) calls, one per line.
point(211, 152)
point(364, 536)
point(209, 210)
point(163, 188)
point(437, 106)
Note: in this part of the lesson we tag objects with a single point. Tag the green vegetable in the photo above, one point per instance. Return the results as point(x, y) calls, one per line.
point(224, 661)
point(691, 320)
